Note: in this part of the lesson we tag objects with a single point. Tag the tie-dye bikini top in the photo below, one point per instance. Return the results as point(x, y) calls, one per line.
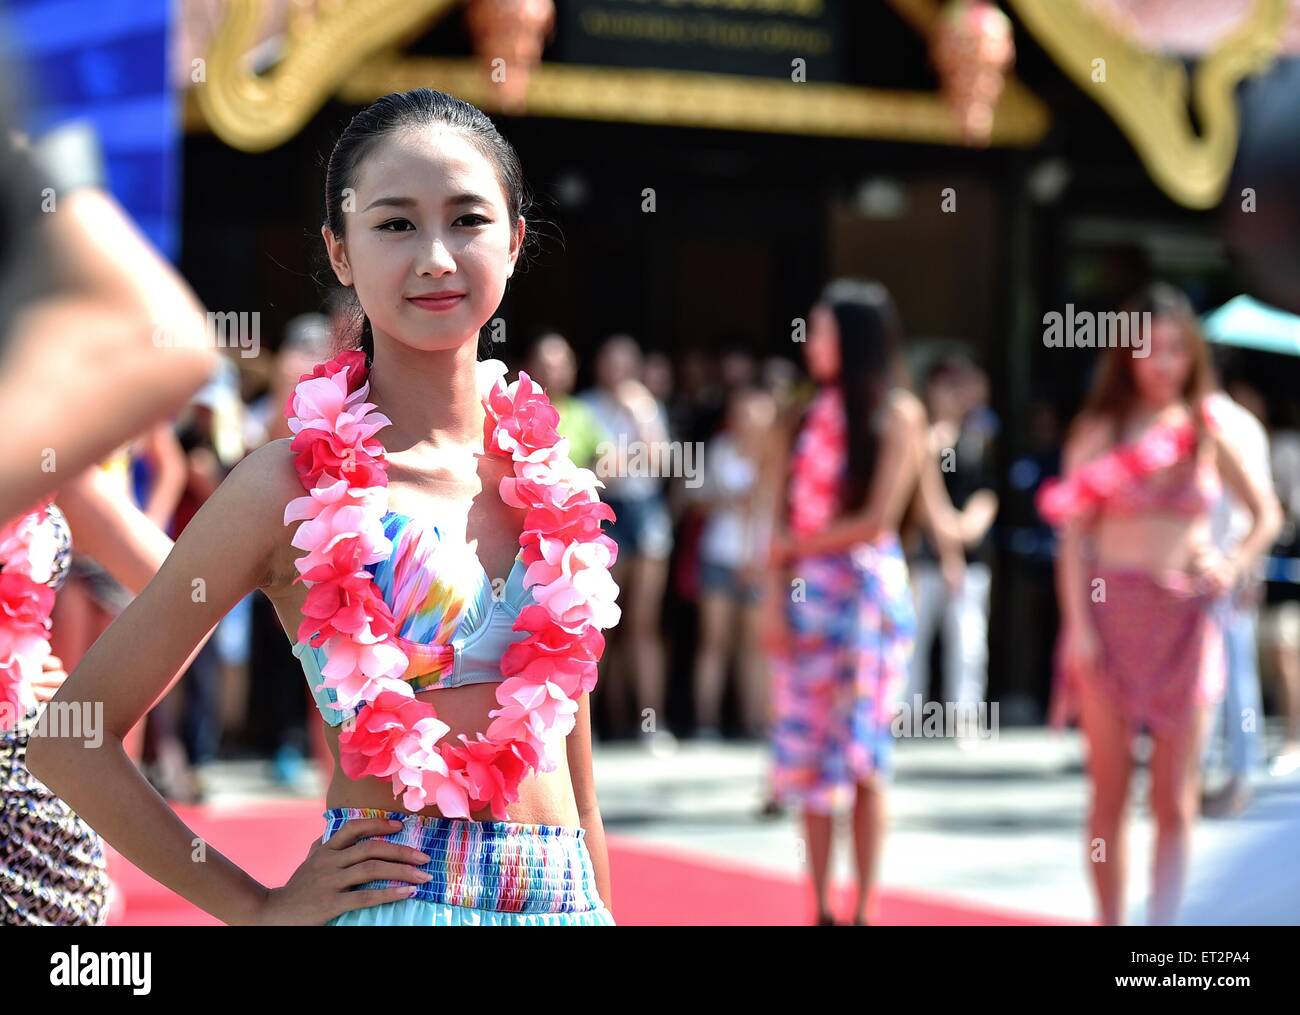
point(452, 624)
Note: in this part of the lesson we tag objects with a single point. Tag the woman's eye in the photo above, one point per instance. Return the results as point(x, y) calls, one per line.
point(477, 219)
point(394, 225)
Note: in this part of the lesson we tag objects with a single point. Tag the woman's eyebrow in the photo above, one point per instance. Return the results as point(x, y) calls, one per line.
point(461, 199)
point(396, 202)
point(456, 200)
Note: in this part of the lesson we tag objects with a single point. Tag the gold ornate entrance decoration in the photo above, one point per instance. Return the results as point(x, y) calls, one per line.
point(1146, 91)
point(352, 49)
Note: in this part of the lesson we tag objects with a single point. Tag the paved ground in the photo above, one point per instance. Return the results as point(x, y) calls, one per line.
point(999, 825)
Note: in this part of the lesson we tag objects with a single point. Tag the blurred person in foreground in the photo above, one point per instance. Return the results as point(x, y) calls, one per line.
point(99, 337)
point(99, 340)
point(839, 618)
point(1138, 580)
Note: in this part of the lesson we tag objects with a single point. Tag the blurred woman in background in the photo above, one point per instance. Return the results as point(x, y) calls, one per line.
point(1138, 579)
point(637, 428)
point(730, 567)
point(840, 618)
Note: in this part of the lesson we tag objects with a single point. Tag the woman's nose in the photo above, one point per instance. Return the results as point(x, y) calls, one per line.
point(436, 257)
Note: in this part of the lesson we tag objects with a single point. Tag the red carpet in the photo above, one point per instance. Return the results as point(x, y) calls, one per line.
point(653, 885)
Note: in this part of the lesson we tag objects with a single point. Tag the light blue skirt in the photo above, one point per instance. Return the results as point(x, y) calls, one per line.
point(485, 873)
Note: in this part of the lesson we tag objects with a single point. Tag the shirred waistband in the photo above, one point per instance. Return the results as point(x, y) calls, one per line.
point(505, 866)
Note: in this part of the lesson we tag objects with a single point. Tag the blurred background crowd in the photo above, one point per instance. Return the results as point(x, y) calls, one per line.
point(981, 160)
point(686, 660)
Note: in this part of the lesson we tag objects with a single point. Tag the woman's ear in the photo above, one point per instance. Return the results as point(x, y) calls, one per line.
point(338, 256)
point(517, 244)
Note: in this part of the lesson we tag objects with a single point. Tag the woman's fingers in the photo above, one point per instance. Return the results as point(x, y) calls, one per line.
point(383, 870)
point(361, 855)
point(349, 901)
point(353, 831)
point(380, 849)
point(47, 685)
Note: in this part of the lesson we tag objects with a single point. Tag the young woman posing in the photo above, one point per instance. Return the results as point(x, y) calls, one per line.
point(840, 619)
point(1138, 582)
point(452, 668)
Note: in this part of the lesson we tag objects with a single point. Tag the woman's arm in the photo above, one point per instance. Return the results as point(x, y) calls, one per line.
point(225, 552)
point(108, 526)
point(578, 748)
point(171, 469)
point(978, 516)
point(766, 525)
point(938, 514)
point(118, 344)
point(1073, 586)
point(1265, 510)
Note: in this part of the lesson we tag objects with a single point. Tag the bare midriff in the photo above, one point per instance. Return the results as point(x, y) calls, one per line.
point(1153, 543)
point(545, 798)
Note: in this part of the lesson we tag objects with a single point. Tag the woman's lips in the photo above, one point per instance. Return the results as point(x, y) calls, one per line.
point(430, 303)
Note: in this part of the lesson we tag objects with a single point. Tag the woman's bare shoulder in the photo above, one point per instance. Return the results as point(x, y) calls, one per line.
point(1089, 436)
point(259, 489)
point(904, 410)
point(269, 473)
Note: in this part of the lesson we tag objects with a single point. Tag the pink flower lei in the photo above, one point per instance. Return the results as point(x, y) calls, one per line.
point(1090, 486)
point(27, 554)
point(817, 465)
point(342, 466)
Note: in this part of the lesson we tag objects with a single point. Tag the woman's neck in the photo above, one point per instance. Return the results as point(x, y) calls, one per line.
point(1153, 406)
point(1147, 409)
point(1143, 412)
point(431, 397)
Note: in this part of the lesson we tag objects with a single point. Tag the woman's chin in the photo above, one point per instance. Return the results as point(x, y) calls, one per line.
point(443, 340)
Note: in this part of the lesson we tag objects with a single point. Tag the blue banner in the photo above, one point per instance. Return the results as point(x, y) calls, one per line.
point(107, 61)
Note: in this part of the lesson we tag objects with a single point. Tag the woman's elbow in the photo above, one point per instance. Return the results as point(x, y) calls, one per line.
point(868, 530)
point(61, 734)
point(1274, 520)
point(41, 760)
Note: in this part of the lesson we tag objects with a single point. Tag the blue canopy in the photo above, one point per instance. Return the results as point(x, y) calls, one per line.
point(1244, 321)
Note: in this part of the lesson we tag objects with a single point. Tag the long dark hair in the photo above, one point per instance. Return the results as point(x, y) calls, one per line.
point(1114, 390)
point(870, 335)
point(420, 107)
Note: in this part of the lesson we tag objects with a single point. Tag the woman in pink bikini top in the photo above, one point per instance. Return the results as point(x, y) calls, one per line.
point(1189, 489)
point(1137, 581)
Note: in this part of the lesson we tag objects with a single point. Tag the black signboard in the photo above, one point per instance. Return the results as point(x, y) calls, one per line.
point(766, 38)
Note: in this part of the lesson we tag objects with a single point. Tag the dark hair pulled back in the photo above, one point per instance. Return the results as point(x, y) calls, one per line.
point(420, 107)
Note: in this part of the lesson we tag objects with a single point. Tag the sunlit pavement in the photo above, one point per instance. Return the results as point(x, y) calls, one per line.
point(999, 825)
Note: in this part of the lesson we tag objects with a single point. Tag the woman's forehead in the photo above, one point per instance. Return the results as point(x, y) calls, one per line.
point(1167, 331)
point(430, 162)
